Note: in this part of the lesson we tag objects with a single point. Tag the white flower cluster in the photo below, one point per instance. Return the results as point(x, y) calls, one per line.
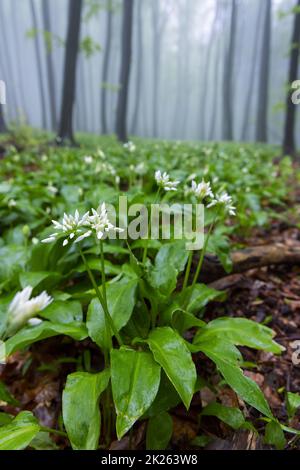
point(201, 190)
point(22, 309)
point(224, 200)
point(130, 147)
point(76, 228)
point(164, 182)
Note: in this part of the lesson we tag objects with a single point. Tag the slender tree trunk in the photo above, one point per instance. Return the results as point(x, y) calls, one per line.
point(3, 128)
point(228, 77)
point(105, 67)
point(39, 65)
point(121, 130)
point(289, 143)
point(139, 68)
point(251, 83)
point(156, 63)
point(69, 86)
point(264, 76)
point(50, 69)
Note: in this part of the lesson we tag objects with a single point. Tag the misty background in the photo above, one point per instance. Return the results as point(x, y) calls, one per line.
point(182, 53)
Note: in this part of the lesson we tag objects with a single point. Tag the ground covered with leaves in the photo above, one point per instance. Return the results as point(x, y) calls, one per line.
point(65, 352)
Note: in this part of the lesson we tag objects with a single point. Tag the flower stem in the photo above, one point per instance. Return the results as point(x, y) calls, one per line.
point(187, 271)
point(149, 230)
point(109, 321)
point(203, 251)
point(54, 431)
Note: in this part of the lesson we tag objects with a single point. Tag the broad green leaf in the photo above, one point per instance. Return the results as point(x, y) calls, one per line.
point(121, 301)
point(225, 355)
point(171, 352)
point(43, 441)
point(159, 432)
point(62, 311)
point(231, 416)
point(46, 329)
point(6, 396)
point(42, 279)
point(135, 378)
point(274, 435)
point(241, 332)
point(5, 418)
point(292, 403)
point(18, 434)
point(199, 296)
point(169, 262)
point(81, 412)
point(166, 398)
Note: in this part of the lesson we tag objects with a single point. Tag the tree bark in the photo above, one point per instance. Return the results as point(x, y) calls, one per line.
point(105, 67)
point(39, 65)
point(228, 77)
point(3, 128)
point(121, 128)
point(139, 68)
point(250, 258)
point(264, 76)
point(289, 144)
point(49, 62)
point(69, 86)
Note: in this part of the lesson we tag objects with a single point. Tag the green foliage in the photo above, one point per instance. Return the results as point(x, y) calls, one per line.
point(141, 365)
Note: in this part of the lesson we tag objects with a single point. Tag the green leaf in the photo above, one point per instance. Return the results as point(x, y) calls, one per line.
point(43, 441)
point(62, 311)
point(81, 413)
point(166, 398)
point(18, 434)
point(241, 332)
point(121, 301)
point(5, 418)
point(135, 378)
point(42, 279)
point(159, 432)
point(225, 355)
point(274, 435)
point(292, 403)
point(171, 352)
point(231, 416)
point(46, 329)
point(6, 396)
point(199, 296)
point(169, 262)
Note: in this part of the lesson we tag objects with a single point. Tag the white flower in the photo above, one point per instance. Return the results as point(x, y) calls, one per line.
point(88, 159)
point(73, 227)
point(44, 158)
point(140, 169)
point(225, 200)
point(11, 203)
point(201, 190)
point(163, 181)
point(34, 241)
point(99, 222)
point(101, 154)
point(129, 146)
point(52, 189)
point(21, 309)
point(34, 321)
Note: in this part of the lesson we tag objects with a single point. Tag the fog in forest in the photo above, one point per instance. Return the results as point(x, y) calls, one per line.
point(200, 69)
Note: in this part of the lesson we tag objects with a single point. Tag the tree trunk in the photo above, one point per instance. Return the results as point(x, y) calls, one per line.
point(139, 67)
point(156, 51)
point(2, 121)
point(249, 94)
point(121, 130)
point(228, 77)
point(39, 65)
point(69, 86)
point(49, 62)
point(105, 69)
point(264, 76)
point(289, 144)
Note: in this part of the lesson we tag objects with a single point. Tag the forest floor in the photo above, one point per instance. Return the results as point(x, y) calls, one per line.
point(268, 295)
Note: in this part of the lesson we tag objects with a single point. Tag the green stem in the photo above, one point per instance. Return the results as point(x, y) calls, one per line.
point(149, 230)
point(54, 431)
point(187, 271)
point(108, 318)
point(201, 259)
